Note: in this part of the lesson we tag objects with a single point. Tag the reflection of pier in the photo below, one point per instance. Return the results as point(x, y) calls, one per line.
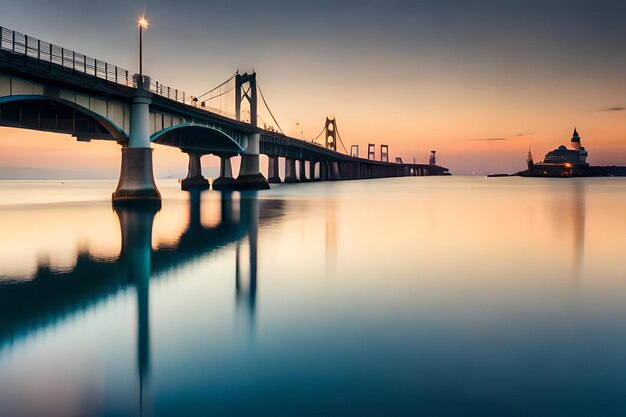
point(246, 267)
point(51, 296)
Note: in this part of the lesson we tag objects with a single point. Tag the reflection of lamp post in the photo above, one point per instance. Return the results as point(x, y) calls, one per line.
point(142, 23)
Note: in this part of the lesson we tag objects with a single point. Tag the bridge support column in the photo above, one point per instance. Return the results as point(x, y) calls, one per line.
point(312, 170)
point(250, 178)
point(290, 170)
point(323, 170)
point(194, 180)
point(272, 167)
point(334, 170)
point(136, 184)
point(302, 165)
point(346, 171)
point(225, 181)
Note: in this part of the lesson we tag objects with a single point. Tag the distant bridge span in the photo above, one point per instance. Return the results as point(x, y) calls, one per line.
point(50, 88)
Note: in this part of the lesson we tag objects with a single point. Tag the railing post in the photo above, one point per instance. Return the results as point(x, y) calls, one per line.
point(63, 57)
point(73, 61)
point(13, 41)
point(26, 45)
point(106, 71)
point(38, 49)
point(50, 54)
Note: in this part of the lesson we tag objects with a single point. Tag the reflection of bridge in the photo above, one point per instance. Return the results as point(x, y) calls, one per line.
point(49, 296)
point(49, 88)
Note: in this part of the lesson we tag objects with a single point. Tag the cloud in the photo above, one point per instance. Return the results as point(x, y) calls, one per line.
point(519, 135)
point(485, 139)
point(614, 109)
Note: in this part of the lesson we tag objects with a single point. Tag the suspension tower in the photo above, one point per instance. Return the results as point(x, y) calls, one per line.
point(245, 89)
point(384, 153)
point(330, 129)
point(371, 151)
point(250, 177)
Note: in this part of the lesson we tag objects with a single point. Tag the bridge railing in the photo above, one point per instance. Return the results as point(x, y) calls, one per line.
point(20, 43)
point(182, 97)
point(31, 47)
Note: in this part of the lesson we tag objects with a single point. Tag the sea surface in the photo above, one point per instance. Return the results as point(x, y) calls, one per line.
point(419, 296)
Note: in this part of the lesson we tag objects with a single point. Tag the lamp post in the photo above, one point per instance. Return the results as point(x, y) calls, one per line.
point(301, 131)
point(142, 23)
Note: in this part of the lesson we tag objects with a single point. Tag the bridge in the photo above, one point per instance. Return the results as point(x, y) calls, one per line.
point(50, 88)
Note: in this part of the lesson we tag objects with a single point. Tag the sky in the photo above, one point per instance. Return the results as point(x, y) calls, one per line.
point(479, 81)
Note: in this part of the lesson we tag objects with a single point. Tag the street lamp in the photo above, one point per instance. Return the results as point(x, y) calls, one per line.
point(142, 23)
point(301, 131)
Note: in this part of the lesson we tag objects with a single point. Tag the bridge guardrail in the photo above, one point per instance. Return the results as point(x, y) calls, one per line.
point(68, 59)
point(32, 47)
point(29, 46)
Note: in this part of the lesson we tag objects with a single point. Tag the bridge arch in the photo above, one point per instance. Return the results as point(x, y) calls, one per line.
point(58, 115)
point(197, 137)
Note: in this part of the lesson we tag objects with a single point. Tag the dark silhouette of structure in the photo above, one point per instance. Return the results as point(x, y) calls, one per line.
point(50, 88)
point(568, 162)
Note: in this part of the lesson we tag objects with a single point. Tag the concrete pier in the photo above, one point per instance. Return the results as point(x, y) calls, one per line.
point(136, 184)
point(334, 171)
point(290, 171)
point(302, 168)
point(194, 180)
point(225, 181)
point(324, 170)
point(250, 177)
point(312, 170)
point(272, 167)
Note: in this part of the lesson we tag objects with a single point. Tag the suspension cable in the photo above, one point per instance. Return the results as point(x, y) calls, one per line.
point(220, 94)
point(317, 137)
point(215, 88)
point(268, 108)
point(340, 141)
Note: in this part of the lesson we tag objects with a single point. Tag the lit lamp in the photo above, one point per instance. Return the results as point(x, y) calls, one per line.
point(142, 23)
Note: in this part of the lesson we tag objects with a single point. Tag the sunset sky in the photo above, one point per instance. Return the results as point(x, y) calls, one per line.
point(477, 80)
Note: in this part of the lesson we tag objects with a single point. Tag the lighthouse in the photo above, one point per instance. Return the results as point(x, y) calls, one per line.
point(575, 141)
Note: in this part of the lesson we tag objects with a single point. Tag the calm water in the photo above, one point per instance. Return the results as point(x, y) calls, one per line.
point(400, 297)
